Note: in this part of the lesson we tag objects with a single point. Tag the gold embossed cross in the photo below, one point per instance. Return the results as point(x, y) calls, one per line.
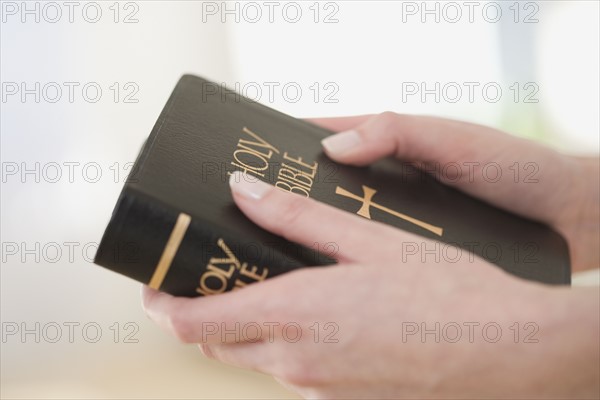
point(367, 203)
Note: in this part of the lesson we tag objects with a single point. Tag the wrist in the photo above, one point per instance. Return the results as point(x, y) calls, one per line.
point(561, 359)
point(570, 341)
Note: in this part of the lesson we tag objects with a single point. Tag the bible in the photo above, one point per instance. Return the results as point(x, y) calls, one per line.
point(176, 228)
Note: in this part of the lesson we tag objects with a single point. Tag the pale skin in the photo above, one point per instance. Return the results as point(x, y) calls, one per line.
point(375, 297)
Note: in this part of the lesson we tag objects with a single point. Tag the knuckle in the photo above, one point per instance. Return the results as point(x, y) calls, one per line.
point(181, 326)
point(387, 116)
point(288, 288)
point(389, 121)
point(301, 373)
point(207, 351)
point(307, 368)
point(291, 211)
point(390, 128)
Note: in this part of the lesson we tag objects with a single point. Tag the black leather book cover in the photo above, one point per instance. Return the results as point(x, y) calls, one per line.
point(176, 228)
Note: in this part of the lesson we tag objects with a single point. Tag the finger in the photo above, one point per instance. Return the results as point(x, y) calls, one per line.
point(306, 221)
point(240, 316)
point(286, 362)
point(412, 138)
point(481, 161)
point(338, 124)
point(254, 355)
point(209, 319)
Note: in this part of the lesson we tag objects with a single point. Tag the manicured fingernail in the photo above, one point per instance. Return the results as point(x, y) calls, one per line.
point(341, 143)
point(248, 186)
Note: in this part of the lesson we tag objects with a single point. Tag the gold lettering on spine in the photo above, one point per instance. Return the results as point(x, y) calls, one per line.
point(221, 270)
point(164, 263)
point(231, 258)
point(367, 203)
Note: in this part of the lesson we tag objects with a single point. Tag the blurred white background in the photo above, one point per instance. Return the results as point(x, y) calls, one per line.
point(66, 151)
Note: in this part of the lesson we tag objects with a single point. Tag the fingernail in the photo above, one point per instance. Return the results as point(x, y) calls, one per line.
point(248, 186)
point(341, 143)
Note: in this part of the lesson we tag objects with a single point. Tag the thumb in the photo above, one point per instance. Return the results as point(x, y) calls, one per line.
point(417, 139)
point(481, 161)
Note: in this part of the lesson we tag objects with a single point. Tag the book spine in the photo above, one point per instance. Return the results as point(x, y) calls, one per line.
point(185, 255)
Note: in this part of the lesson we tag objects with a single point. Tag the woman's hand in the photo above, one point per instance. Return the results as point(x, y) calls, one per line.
point(535, 181)
point(384, 324)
